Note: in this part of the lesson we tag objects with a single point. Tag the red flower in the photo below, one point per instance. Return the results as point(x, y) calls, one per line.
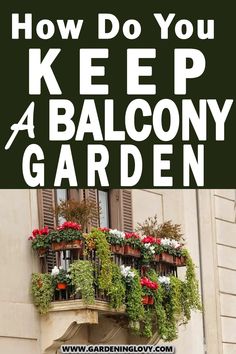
point(37, 232)
point(104, 229)
point(131, 235)
point(69, 225)
point(149, 239)
point(148, 283)
point(158, 241)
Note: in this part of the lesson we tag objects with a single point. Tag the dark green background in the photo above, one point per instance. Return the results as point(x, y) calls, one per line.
point(217, 82)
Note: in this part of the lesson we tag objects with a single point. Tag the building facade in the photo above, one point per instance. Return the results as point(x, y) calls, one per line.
point(208, 219)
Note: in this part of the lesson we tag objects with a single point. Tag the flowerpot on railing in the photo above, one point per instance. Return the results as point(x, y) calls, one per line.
point(130, 251)
point(150, 300)
point(63, 245)
point(145, 300)
point(166, 258)
point(41, 251)
point(117, 249)
point(61, 286)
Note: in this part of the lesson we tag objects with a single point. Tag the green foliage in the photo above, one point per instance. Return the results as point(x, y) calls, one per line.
point(117, 288)
point(147, 322)
point(190, 291)
point(42, 291)
point(81, 273)
point(104, 254)
point(66, 235)
point(81, 212)
point(134, 307)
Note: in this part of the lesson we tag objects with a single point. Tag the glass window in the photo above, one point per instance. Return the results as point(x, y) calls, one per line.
point(61, 195)
point(103, 199)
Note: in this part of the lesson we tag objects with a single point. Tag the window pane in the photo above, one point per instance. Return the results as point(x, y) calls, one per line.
point(103, 202)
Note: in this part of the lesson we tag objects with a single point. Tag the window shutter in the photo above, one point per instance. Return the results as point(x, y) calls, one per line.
point(46, 200)
point(126, 210)
point(92, 195)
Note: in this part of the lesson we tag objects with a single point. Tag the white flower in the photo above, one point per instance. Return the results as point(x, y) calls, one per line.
point(165, 242)
point(175, 244)
point(152, 249)
point(117, 233)
point(126, 272)
point(55, 271)
point(164, 280)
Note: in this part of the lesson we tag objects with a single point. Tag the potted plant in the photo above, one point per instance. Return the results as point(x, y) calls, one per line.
point(132, 244)
point(40, 240)
point(148, 288)
point(61, 278)
point(148, 249)
point(116, 239)
point(66, 236)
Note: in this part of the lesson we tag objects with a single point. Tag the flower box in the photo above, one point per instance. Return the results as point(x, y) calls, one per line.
point(41, 251)
point(61, 286)
point(58, 246)
point(156, 258)
point(130, 251)
point(179, 261)
point(166, 258)
point(117, 249)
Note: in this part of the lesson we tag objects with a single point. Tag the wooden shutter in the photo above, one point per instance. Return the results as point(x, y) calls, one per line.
point(46, 201)
point(92, 195)
point(126, 210)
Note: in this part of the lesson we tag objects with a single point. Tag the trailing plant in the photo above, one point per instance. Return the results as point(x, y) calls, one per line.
point(82, 212)
point(117, 288)
point(190, 290)
point(42, 291)
point(81, 273)
point(147, 323)
point(104, 254)
point(134, 307)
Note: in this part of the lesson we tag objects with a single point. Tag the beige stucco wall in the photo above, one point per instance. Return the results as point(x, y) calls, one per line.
point(208, 218)
point(19, 324)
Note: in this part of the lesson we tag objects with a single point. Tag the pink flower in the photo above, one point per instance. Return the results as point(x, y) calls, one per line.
point(131, 235)
point(69, 225)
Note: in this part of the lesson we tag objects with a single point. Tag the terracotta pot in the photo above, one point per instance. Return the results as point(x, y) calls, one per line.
point(117, 249)
point(183, 261)
point(156, 258)
point(177, 261)
point(130, 251)
point(58, 246)
point(61, 286)
point(41, 251)
point(167, 258)
point(150, 300)
point(145, 300)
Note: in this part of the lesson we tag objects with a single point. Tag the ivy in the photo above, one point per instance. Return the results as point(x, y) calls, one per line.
point(42, 291)
point(117, 289)
point(134, 306)
point(81, 273)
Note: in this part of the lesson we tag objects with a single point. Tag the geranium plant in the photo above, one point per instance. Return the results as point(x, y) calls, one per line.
point(116, 237)
point(133, 239)
point(68, 231)
point(60, 276)
point(40, 238)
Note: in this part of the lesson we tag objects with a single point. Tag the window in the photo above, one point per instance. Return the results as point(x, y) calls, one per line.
point(61, 195)
point(103, 201)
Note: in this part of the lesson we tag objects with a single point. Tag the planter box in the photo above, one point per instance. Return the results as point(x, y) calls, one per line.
point(180, 261)
point(117, 249)
point(156, 258)
point(166, 258)
point(41, 251)
point(130, 251)
point(58, 246)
